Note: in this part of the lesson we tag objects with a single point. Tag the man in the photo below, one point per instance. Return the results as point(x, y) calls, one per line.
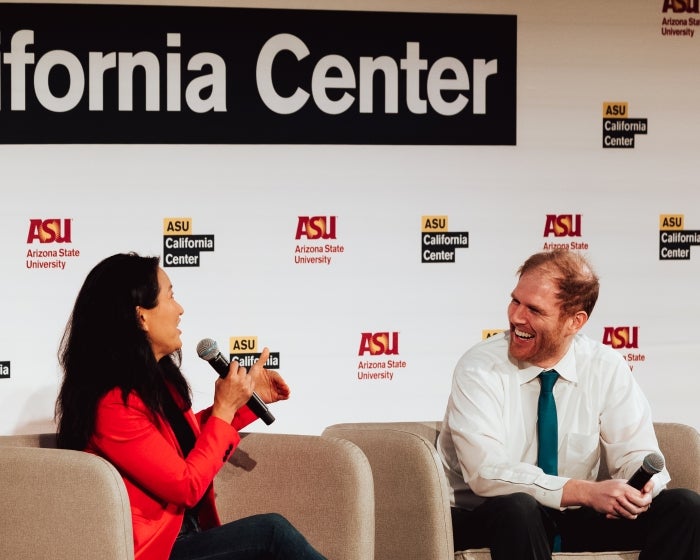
point(521, 505)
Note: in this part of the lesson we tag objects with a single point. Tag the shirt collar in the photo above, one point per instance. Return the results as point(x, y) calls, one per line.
point(566, 368)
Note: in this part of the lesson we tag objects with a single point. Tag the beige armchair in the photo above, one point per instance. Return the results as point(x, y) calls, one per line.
point(70, 505)
point(412, 505)
point(63, 505)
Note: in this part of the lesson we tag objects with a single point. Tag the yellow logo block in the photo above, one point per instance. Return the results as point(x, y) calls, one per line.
point(488, 333)
point(177, 226)
point(671, 222)
point(243, 344)
point(433, 223)
point(615, 110)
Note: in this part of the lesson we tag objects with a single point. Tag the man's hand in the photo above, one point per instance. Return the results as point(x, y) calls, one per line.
point(615, 498)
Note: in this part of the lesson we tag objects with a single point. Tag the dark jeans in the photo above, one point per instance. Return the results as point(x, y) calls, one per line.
point(259, 537)
point(517, 526)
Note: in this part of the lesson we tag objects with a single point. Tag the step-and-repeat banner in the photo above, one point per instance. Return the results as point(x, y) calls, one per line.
point(353, 187)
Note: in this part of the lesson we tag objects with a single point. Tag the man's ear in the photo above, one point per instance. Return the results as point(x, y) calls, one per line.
point(577, 321)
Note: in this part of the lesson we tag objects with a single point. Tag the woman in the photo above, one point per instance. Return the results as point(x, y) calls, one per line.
point(123, 397)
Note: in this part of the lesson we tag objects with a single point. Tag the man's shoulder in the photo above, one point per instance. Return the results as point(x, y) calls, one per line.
point(489, 351)
point(587, 349)
point(584, 344)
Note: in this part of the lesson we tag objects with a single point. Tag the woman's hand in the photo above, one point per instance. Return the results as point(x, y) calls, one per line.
point(233, 391)
point(269, 384)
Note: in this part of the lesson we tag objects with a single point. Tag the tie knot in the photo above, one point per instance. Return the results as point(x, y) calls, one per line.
point(548, 379)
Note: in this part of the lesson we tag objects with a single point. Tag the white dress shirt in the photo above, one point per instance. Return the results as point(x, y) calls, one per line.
point(488, 441)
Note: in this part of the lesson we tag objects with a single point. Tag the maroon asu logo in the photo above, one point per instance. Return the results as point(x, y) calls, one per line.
point(48, 232)
point(319, 247)
point(316, 227)
point(681, 6)
point(626, 340)
point(374, 346)
point(563, 225)
point(381, 343)
point(621, 337)
point(53, 230)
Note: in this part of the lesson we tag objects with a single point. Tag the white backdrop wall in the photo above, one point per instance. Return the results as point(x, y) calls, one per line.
point(572, 58)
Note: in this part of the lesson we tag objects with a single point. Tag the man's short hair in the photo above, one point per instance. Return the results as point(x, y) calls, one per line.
point(577, 284)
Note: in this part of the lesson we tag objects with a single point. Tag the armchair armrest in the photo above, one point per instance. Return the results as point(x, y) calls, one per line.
point(62, 505)
point(680, 445)
point(323, 486)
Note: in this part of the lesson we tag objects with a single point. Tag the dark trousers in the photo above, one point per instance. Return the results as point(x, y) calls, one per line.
point(516, 526)
point(259, 537)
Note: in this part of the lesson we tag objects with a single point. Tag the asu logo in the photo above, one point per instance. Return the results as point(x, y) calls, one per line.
point(621, 337)
point(52, 230)
point(563, 225)
point(674, 240)
point(668, 222)
point(488, 333)
point(619, 130)
point(316, 227)
point(615, 109)
point(434, 223)
point(244, 349)
point(437, 244)
point(381, 343)
point(681, 6)
point(243, 344)
point(177, 226)
point(180, 246)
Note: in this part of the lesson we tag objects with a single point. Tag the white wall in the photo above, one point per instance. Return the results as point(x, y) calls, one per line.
point(572, 58)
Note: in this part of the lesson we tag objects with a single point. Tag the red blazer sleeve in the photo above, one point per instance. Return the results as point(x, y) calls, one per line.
point(145, 450)
point(243, 417)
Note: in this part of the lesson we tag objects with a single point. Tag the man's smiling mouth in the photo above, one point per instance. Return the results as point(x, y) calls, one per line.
point(522, 334)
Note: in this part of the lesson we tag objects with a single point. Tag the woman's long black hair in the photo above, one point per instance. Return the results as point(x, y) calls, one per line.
point(104, 347)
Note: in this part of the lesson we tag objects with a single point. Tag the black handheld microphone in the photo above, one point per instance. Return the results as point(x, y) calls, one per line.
point(652, 464)
point(208, 350)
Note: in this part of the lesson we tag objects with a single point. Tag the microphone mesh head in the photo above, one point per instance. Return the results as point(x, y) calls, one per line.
point(207, 349)
point(653, 463)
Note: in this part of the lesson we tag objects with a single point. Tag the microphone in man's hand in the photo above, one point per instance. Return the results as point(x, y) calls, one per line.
point(208, 350)
point(652, 464)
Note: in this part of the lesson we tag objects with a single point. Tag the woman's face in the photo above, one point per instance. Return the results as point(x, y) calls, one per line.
point(160, 323)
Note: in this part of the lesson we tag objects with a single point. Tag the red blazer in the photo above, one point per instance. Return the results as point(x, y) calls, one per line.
point(160, 482)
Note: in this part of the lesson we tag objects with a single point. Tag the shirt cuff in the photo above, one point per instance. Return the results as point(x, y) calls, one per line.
point(548, 490)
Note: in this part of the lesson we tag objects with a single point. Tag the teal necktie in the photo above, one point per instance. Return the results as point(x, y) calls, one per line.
point(547, 432)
